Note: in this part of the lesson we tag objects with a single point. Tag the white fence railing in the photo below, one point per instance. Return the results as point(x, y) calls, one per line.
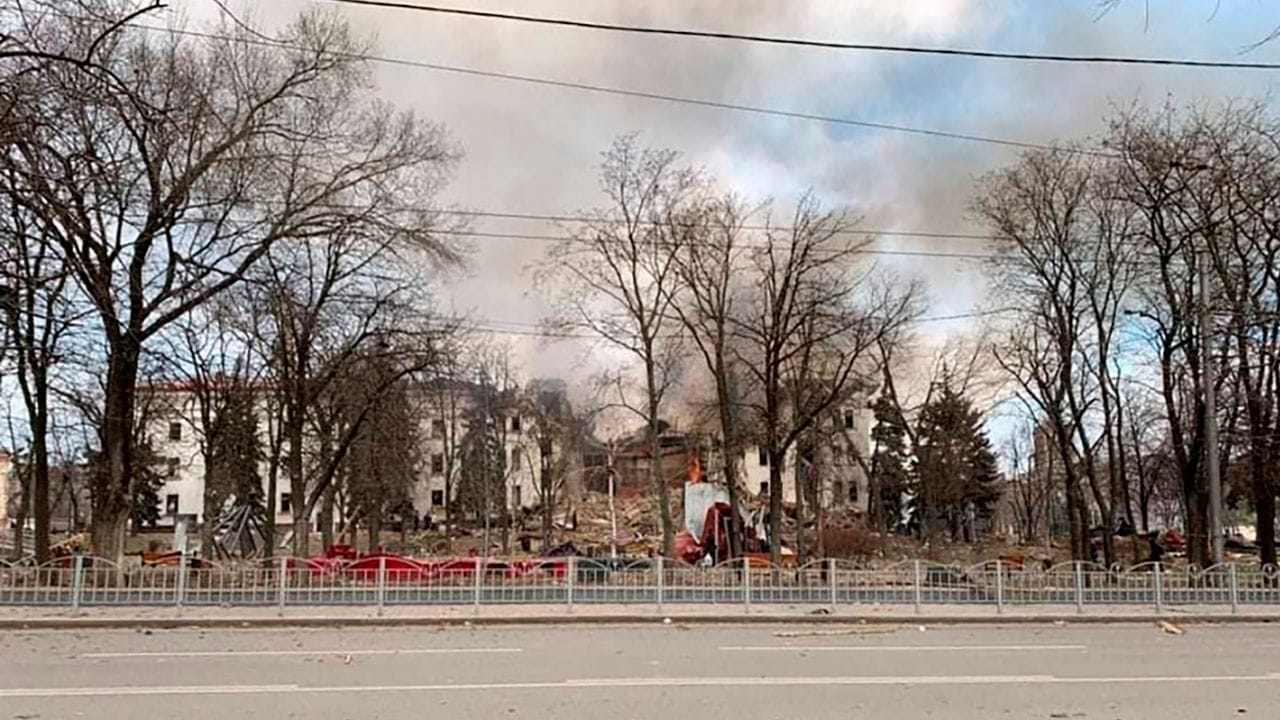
point(84, 581)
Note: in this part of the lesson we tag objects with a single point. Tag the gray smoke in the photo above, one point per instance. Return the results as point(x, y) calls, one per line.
point(535, 149)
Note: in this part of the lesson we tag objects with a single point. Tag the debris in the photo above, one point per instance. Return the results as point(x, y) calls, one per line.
point(859, 630)
point(1059, 623)
point(1169, 628)
point(922, 628)
point(666, 621)
point(820, 611)
point(346, 660)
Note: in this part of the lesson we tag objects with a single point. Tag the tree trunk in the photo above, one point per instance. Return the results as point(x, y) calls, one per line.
point(108, 534)
point(209, 510)
point(374, 521)
point(776, 462)
point(731, 484)
point(301, 531)
point(1079, 536)
point(115, 487)
point(273, 481)
point(24, 508)
point(547, 499)
point(326, 518)
point(655, 467)
point(1264, 502)
point(297, 483)
point(797, 472)
point(729, 436)
point(1196, 501)
point(40, 473)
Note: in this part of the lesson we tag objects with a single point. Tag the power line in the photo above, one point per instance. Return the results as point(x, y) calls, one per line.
point(745, 246)
point(563, 218)
point(825, 44)
point(664, 97)
point(530, 329)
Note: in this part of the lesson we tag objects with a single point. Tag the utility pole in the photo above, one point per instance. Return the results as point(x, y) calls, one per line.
point(487, 426)
point(1210, 412)
point(613, 513)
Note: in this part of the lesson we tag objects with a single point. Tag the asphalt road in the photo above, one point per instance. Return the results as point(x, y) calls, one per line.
point(670, 672)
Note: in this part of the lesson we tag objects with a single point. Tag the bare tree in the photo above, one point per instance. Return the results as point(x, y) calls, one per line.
point(164, 210)
point(1180, 200)
point(1242, 149)
point(709, 293)
point(382, 464)
point(35, 35)
point(815, 315)
point(1066, 266)
point(559, 433)
point(1025, 497)
point(488, 456)
point(615, 278)
point(212, 362)
point(333, 306)
point(39, 312)
point(446, 392)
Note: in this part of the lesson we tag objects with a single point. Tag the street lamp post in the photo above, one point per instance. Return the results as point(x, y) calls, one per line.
point(613, 514)
point(1212, 471)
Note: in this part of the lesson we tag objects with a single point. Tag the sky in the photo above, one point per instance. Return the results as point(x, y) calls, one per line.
point(535, 149)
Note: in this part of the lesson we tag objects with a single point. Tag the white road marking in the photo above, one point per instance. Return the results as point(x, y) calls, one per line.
point(168, 690)
point(657, 682)
point(901, 648)
point(305, 653)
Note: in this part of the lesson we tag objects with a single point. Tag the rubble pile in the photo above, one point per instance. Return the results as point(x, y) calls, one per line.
point(639, 522)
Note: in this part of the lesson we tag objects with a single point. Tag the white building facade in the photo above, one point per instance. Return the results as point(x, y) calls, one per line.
point(843, 482)
point(174, 432)
point(445, 409)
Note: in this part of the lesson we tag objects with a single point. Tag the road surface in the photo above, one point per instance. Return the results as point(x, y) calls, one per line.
point(671, 672)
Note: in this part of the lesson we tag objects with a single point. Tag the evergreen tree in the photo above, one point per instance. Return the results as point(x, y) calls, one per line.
point(144, 501)
point(236, 451)
point(380, 466)
point(958, 483)
point(483, 472)
point(890, 479)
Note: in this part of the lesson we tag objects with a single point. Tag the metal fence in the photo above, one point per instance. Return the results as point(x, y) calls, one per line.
point(84, 581)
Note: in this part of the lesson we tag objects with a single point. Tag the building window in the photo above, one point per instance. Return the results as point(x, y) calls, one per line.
point(515, 459)
point(286, 503)
point(515, 423)
point(853, 492)
point(171, 504)
point(848, 419)
point(437, 429)
point(437, 498)
point(515, 497)
point(764, 458)
point(175, 431)
point(764, 488)
point(838, 490)
point(437, 464)
point(171, 466)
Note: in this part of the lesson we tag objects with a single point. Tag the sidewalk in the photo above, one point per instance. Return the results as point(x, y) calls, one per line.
point(16, 618)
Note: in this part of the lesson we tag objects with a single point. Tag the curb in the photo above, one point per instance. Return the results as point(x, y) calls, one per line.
point(67, 623)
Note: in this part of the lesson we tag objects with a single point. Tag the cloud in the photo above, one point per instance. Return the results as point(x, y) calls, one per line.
point(535, 149)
